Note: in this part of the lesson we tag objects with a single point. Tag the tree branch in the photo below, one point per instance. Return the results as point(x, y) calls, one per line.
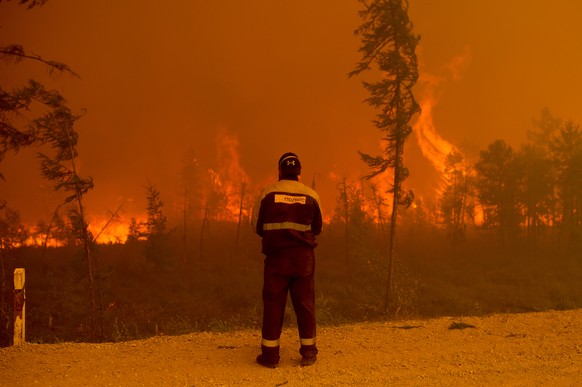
point(16, 52)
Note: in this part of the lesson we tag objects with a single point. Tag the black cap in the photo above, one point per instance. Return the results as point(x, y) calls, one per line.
point(289, 164)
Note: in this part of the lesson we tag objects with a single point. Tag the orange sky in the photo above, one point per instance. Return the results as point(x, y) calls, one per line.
point(157, 79)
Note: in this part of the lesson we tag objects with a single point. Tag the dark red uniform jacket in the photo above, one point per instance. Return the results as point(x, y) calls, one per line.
point(288, 217)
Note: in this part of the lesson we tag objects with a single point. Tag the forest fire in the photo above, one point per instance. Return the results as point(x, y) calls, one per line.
point(128, 179)
point(230, 181)
point(112, 230)
point(220, 194)
point(359, 196)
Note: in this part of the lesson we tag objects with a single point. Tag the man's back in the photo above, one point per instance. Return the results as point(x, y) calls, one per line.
point(289, 216)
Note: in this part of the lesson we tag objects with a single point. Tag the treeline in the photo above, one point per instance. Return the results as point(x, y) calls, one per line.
point(522, 198)
point(144, 290)
point(519, 200)
point(525, 196)
point(503, 235)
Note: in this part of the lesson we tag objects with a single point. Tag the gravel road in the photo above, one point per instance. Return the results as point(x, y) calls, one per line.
point(530, 349)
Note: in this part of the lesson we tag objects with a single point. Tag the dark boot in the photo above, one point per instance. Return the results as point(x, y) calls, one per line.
point(269, 357)
point(308, 354)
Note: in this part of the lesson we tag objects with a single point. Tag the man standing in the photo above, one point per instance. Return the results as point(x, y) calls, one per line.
point(288, 217)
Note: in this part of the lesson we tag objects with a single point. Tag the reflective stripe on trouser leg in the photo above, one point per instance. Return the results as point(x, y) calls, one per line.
point(270, 343)
point(307, 341)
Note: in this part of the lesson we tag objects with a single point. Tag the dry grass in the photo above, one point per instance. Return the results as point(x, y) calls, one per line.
point(221, 291)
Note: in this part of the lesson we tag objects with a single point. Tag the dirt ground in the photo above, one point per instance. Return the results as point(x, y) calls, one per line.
point(532, 349)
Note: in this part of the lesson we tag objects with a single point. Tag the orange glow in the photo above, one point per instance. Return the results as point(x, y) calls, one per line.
point(103, 229)
point(230, 177)
point(433, 146)
point(479, 217)
point(210, 64)
point(106, 230)
point(40, 241)
point(383, 185)
point(360, 190)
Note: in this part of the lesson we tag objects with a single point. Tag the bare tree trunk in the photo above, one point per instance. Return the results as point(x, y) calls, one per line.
point(389, 295)
point(90, 274)
point(378, 204)
point(202, 228)
point(185, 234)
point(99, 323)
point(240, 211)
point(4, 319)
point(389, 301)
point(48, 230)
point(86, 242)
point(98, 277)
point(347, 219)
point(113, 216)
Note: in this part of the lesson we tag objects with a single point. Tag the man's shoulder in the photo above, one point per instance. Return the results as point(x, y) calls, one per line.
point(292, 187)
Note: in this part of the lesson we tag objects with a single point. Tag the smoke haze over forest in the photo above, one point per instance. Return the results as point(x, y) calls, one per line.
point(181, 109)
point(262, 78)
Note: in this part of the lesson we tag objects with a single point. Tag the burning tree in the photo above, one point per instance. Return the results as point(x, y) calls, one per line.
point(389, 43)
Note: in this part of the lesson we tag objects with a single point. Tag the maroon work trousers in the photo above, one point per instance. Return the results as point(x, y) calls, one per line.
point(289, 272)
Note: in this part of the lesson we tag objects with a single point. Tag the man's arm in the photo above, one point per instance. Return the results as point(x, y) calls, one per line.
point(317, 224)
point(257, 218)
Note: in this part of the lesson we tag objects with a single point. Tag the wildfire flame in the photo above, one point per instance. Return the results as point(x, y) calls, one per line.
point(371, 196)
point(104, 230)
point(116, 230)
point(230, 179)
point(433, 146)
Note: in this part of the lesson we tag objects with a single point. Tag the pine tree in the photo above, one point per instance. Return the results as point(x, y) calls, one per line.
point(389, 42)
point(497, 183)
point(56, 129)
point(155, 226)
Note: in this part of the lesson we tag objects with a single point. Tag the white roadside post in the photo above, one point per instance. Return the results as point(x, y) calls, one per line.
point(19, 304)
